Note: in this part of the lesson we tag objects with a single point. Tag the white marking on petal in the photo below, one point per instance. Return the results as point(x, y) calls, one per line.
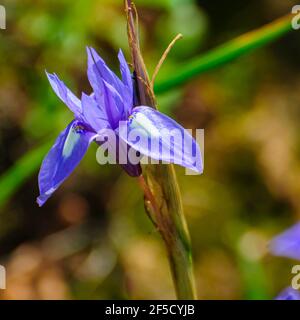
point(140, 120)
point(70, 143)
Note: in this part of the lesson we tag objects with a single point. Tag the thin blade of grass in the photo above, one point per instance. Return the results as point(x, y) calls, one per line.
point(24, 168)
point(225, 53)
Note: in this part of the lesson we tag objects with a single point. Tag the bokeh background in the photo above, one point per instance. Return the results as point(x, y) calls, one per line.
point(92, 240)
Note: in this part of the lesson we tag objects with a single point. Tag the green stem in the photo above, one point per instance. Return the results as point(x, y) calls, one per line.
point(225, 53)
point(171, 223)
point(162, 196)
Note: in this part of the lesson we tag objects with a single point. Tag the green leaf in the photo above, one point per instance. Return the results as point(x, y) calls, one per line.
point(20, 171)
point(225, 53)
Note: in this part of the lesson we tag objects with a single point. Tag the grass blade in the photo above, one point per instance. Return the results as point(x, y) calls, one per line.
point(226, 53)
point(20, 171)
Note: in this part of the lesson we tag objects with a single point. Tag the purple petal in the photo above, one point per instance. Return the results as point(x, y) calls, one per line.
point(97, 68)
point(125, 71)
point(65, 94)
point(127, 80)
point(93, 114)
point(105, 93)
point(159, 137)
point(287, 244)
point(64, 156)
point(289, 294)
point(118, 103)
point(98, 73)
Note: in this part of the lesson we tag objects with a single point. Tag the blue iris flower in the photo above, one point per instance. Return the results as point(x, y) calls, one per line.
point(110, 104)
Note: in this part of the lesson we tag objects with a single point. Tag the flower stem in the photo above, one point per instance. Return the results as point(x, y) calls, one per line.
point(165, 198)
point(162, 196)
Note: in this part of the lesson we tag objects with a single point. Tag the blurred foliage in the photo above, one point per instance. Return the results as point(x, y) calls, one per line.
point(92, 239)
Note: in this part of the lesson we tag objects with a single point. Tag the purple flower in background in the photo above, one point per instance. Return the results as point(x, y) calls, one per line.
point(289, 294)
point(287, 244)
point(110, 104)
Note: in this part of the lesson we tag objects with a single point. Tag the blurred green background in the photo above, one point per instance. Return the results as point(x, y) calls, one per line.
point(92, 240)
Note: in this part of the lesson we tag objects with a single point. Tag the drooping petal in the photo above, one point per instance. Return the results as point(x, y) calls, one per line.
point(289, 294)
point(93, 114)
point(64, 156)
point(287, 244)
point(65, 94)
point(159, 137)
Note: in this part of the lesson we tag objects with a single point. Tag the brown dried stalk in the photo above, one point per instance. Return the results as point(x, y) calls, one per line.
point(162, 195)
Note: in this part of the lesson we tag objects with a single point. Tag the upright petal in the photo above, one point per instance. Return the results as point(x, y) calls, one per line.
point(106, 94)
point(98, 68)
point(93, 114)
point(112, 105)
point(287, 244)
point(125, 71)
point(159, 137)
point(128, 82)
point(65, 94)
point(99, 72)
point(64, 156)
